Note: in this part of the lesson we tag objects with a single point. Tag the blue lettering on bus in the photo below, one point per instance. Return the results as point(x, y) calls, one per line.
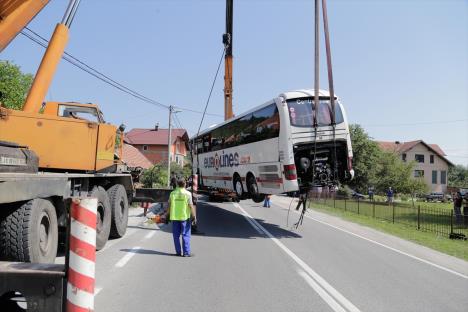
point(221, 161)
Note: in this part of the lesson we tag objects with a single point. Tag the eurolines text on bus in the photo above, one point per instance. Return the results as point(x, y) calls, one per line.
point(224, 160)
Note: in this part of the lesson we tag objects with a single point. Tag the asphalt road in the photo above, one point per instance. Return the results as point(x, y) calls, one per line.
point(249, 259)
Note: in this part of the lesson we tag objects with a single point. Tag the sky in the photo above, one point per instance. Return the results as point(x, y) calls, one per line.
point(400, 67)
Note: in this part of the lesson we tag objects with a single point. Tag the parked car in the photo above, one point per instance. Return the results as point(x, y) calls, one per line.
point(438, 197)
point(357, 195)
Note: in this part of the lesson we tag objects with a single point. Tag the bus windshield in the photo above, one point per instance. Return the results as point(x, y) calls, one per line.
point(301, 112)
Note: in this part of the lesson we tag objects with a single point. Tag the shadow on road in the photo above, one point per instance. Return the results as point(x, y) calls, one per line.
point(147, 252)
point(215, 220)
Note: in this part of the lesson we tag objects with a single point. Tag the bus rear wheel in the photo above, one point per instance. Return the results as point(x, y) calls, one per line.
point(253, 190)
point(237, 183)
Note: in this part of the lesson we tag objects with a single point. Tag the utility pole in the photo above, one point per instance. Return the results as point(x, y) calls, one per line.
point(172, 110)
point(169, 147)
point(227, 41)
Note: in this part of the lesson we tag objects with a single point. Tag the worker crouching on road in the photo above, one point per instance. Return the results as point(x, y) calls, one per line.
point(181, 212)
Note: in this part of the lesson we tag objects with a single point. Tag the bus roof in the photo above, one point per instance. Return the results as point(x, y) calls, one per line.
point(286, 95)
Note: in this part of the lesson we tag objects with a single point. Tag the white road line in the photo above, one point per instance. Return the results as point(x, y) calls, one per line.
point(391, 248)
point(129, 233)
point(97, 290)
point(325, 296)
point(327, 291)
point(150, 234)
point(122, 262)
point(249, 219)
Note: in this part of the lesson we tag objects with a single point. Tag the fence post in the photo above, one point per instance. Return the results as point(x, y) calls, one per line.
point(393, 212)
point(358, 206)
point(373, 208)
point(451, 221)
point(334, 199)
point(419, 217)
point(345, 204)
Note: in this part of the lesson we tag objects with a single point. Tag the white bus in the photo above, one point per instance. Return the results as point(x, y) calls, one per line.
point(274, 148)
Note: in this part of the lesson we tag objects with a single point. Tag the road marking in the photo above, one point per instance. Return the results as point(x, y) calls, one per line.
point(249, 219)
point(391, 248)
point(325, 296)
point(129, 233)
point(122, 262)
point(327, 292)
point(150, 234)
point(97, 290)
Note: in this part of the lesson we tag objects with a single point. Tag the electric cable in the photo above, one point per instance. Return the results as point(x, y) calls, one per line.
point(99, 75)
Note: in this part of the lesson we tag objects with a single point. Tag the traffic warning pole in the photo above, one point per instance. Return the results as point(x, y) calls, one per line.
point(82, 255)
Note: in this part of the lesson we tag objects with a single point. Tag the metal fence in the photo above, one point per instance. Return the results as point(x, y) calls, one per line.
point(430, 219)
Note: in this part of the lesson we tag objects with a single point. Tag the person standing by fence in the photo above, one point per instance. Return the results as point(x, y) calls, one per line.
point(390, 196)
point(371, 193)
point(465, 209)
point(457, 204)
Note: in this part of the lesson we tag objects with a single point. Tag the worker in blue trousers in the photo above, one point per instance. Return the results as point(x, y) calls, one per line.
point(181, 212)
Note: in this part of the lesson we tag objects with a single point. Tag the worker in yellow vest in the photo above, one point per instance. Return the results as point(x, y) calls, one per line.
point(181, 212)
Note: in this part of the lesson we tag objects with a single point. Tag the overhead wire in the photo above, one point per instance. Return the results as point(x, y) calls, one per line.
point(37, 38)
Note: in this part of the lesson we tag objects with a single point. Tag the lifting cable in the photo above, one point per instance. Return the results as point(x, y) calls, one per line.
point(303, 196)
point(207, 102)
point(330, 85)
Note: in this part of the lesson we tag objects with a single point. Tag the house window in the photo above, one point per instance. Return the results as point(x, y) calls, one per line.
point(434, 176)
point(443, 177)
point(418, 173)
point(419, 158)
point(145, 147)
point(403, 157)
point(431, 159)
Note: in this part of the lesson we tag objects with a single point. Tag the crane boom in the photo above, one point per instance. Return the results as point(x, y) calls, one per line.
point(227, 41)
point(15, 15)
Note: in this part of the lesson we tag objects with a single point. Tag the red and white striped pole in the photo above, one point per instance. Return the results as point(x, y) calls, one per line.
point(195, 183)
point(82, 258)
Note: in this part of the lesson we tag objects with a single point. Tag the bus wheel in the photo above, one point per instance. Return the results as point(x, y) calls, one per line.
point(238, 188)
point(253, 190)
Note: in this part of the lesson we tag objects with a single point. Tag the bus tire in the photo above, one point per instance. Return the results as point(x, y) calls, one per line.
point(103, 221)
point(119, 210)
point(237, 185)
point(29, 233)
point(253, 189)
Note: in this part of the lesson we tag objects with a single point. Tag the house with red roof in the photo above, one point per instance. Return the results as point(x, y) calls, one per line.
point(431, 163)
point(153, 144)
point(134, 158)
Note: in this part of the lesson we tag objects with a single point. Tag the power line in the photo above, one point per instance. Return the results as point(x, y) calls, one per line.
point(99, 75)
point(418, 123)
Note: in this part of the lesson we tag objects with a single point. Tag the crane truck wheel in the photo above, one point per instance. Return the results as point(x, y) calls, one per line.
point(103, 222)
point(29, 233)
point(119, 208)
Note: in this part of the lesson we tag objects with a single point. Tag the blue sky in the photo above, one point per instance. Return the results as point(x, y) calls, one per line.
point(400, 66)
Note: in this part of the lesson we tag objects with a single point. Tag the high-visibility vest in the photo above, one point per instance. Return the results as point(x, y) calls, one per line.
point(180, 209)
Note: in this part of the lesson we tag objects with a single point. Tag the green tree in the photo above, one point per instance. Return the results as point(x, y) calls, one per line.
point(14, 85)
point(416, 187)
point(458, 176)
point(366, 154)
point(155, 176)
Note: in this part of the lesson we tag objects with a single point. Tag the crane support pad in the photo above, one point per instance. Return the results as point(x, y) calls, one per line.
point(41, 285)
point(152, 195)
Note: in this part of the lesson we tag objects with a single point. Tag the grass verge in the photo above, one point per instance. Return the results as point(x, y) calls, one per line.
point(456, 248)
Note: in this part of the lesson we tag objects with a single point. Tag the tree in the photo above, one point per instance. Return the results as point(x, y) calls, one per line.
point(366, 154)
point(458, 176)
point(14, 85)
point(155, 176)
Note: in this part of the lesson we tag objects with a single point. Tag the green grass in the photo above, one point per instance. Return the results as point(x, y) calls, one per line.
point(456, 248)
